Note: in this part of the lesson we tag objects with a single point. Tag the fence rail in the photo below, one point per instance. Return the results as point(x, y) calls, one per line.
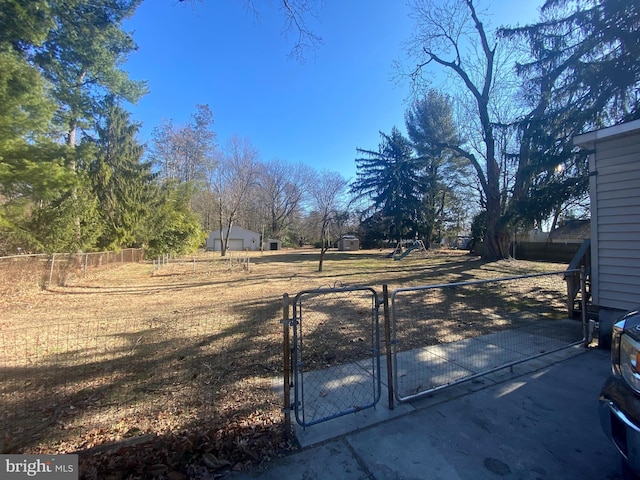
point(436, 336)
point(446, 334)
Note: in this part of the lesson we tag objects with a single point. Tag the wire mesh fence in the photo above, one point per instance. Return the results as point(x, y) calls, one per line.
point(38, 271)
point(201, 263)
point(444, 334)
point(336, 353)
point(71, 386)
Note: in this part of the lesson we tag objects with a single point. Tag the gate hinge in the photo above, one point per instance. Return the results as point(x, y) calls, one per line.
point(292, 408)
point(292, 322)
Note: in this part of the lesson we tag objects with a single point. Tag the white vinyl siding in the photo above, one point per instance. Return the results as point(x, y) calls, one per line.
point(616, 221)
point(240, 239)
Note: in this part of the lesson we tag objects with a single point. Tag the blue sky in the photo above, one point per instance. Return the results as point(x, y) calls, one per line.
point(316, 112)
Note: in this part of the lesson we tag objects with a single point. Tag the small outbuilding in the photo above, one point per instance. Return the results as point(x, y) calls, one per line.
point(241, 239)
point(348, 243)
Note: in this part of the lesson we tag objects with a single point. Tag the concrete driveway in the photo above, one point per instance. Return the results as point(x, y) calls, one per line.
point(539, 421)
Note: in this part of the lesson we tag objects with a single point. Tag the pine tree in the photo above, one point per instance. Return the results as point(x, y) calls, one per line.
point(582, 74)
point(433, 133)
point(392, 179)
point(121, 180)
point(81, 59)
point(32, 168)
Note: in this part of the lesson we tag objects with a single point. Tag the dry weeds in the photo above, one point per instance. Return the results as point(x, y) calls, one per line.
point(169, 372)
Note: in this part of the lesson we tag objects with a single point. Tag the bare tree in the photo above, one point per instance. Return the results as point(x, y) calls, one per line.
point(296, 15)
point(281, 189)
point(328, 202)
point(231, 184)
point(450, 35)
point(185, 153)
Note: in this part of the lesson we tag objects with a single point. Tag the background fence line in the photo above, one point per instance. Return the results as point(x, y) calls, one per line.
point(55, 269)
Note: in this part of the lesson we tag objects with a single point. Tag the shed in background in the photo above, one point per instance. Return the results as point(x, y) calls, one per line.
point(348, 243)
point(240, 239)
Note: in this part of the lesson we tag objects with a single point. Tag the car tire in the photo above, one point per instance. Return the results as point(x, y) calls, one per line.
point(627, 472)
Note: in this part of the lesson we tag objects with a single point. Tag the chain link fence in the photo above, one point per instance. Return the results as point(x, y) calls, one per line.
point(445, 334)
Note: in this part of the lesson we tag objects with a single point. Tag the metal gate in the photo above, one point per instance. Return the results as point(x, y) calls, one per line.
point(335, 354)
point(450, 333)
point(436, 336)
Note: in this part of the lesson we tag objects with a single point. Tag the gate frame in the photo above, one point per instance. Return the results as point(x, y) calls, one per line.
point(291, 372)
point(394, 342)
point(294, 376)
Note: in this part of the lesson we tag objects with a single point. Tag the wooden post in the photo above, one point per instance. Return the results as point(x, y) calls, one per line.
point(387, 341)
point(53, 259)
point(286, 363)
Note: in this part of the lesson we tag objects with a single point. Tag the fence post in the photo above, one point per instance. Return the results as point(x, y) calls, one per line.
point(387, 341)
point(286, 362)
point(583, 306)
point(53, 258)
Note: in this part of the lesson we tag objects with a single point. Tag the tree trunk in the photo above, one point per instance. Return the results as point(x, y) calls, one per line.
point(223, 250)
point(496, 239)
point(323, 248)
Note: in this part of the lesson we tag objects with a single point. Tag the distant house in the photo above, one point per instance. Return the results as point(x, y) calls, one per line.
point(348, 243)
point(614, 180)
point(241, 239)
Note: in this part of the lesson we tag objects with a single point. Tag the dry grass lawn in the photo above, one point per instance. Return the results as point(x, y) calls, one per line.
point(172, 367)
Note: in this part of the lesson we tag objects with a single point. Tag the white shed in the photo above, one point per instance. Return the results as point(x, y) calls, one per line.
point(240, 239)
point(614, 170)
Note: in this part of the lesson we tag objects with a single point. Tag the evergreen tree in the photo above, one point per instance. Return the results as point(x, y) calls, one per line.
point(52, 226)
point(81, 59)
point(32, 168)
point(393, 180)
point(172, 226)
point(582, 74)
point(432, 131)
point(121, 181)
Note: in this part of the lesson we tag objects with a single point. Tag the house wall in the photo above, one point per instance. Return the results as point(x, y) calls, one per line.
point(615, 203)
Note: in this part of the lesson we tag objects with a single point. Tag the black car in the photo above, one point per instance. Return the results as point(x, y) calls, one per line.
point(620, 395)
